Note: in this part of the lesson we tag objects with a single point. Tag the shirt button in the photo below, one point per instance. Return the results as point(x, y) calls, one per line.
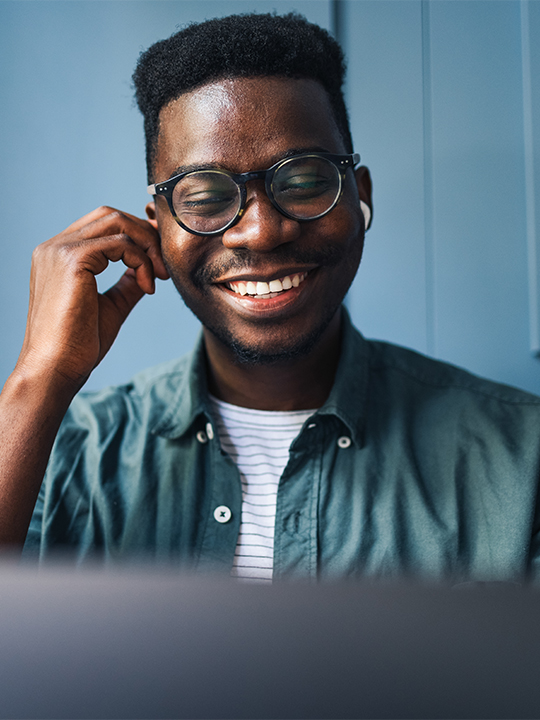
point(210, 431)
point(344, 442)
point(222, 514)
point(201, 436)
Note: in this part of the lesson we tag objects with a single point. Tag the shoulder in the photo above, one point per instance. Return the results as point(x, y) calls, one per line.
point(448, 413)
point(413, 369)
point(444, 404)
point(143, 400)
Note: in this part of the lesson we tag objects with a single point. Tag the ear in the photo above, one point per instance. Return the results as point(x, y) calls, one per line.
point(363, 183)
point(151, 213)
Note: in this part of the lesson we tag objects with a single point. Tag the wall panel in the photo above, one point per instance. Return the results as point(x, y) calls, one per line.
point(383, 43)
point(481, 303)
point(530, 32)
point(436, 91)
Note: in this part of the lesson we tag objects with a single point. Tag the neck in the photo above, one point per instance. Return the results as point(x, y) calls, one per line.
point(303, 383)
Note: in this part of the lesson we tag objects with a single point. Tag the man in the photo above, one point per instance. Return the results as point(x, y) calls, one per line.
point(286, 445)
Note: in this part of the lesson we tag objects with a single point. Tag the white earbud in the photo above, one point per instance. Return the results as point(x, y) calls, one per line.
point(367, 213)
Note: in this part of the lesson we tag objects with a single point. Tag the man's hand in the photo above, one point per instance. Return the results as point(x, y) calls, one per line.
point(70, 328)
point(70, 325)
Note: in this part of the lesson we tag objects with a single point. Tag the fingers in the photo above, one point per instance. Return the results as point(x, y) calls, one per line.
point(89, 217)
point(70, 324)
point(106, 221)
point(98, 213)
point(96, 255)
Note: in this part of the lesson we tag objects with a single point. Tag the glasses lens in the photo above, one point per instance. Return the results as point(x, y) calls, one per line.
point(306, 187)
point(206, 201)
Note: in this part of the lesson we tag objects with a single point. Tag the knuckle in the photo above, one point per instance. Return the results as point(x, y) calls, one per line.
point(110, 215)
point(39, 251)
point(67, 254)
point(54, 254)
point(45, 249)
point(106, 209)
point(116, 214)
point(121, 238)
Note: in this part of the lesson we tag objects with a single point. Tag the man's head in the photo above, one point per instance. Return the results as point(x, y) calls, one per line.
point(255, 45)
point(238, 115)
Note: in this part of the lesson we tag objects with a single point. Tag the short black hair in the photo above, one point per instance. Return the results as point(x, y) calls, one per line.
point(246, 45)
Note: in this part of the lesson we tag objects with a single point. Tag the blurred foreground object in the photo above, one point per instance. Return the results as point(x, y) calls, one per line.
point(152, 644)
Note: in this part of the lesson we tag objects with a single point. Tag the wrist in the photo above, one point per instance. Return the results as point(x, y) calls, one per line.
point(40, 386)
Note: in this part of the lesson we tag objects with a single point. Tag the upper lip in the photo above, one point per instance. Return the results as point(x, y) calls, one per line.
point(266, 276)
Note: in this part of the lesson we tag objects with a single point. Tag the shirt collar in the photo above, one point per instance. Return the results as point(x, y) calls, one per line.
point(189, 400)
point(347, 399)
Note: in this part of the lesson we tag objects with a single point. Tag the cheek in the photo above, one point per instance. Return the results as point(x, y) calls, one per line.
point(178, 250)
point(350, 200)
point(348, 231)
point(345, 223)
point(187, 257)
point(177, 245)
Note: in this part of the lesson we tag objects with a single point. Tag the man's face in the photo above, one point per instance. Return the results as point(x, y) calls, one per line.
point(242, 125)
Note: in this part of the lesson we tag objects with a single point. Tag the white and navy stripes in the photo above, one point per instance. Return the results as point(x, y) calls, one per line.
point(258, 441)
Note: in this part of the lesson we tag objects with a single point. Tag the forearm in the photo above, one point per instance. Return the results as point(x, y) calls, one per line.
point(69, 330)
point(31, 410)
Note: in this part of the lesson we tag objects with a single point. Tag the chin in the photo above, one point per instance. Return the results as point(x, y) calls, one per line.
point(262, 346)
point(245, 354)
point(271, 351)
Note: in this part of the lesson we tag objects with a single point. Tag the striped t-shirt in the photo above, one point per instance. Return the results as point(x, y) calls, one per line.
point(258, 441)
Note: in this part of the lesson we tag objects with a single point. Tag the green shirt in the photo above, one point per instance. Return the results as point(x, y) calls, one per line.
point(412, 467)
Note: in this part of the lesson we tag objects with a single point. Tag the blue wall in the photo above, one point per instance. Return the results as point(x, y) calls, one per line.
point(72, 140)
point(445, 108)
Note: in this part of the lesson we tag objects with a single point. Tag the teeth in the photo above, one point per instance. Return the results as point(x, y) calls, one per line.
point(267, 290)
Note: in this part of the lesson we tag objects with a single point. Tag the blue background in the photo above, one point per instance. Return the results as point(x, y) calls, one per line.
point(445, 109)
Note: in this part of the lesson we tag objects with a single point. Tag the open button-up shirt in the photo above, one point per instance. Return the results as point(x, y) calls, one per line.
point(412, 467)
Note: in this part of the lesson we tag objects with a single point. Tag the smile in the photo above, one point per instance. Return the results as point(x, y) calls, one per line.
point(267, 289)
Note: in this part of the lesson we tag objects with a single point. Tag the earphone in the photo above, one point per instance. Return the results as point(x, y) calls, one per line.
point(367, 214)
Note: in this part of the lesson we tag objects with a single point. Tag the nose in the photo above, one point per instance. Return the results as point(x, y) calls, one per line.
point(262, 227)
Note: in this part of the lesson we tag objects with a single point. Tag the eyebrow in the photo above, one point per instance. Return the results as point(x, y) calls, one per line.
point(215, 166)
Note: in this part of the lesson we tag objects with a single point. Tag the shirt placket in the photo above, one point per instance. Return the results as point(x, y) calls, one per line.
point(296, 529)
point(223, 512)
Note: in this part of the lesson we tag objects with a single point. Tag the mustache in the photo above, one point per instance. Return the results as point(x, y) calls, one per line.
point(244, 260)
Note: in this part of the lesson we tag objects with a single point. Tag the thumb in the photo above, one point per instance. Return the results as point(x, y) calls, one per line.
point(114, 307)
point(125, 294)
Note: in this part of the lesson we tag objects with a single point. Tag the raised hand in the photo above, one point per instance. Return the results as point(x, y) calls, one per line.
point(70, 328)
point(70, 325)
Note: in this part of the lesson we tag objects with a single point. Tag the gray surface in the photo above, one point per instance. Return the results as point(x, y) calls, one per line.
point(148, 644)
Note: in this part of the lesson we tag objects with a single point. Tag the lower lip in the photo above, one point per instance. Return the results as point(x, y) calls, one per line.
point(266, 307)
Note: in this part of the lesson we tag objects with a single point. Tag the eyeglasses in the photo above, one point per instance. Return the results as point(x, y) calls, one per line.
point(302, 187)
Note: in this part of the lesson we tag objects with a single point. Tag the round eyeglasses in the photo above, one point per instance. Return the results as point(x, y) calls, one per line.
point(302, 187)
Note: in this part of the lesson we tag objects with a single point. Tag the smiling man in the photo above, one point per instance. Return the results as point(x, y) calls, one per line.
point(285, 445)
point(263, 260)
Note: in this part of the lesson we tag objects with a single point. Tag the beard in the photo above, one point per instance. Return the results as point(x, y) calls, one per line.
point(299, 346)
point(251, 355)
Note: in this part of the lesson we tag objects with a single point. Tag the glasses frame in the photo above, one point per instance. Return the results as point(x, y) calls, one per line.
point(341, 162)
